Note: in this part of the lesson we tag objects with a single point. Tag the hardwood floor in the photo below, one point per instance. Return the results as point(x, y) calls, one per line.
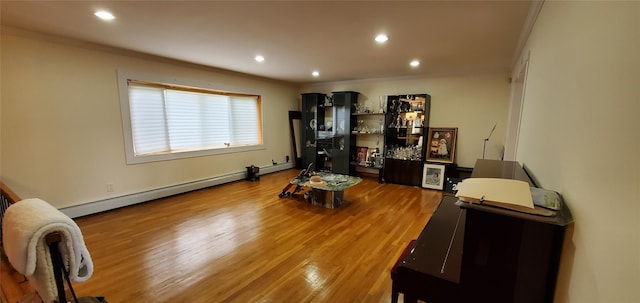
point(240, 243)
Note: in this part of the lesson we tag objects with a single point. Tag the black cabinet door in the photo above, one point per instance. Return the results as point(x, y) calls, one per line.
point(327, 140)
point(310, 104)
point(344, 141)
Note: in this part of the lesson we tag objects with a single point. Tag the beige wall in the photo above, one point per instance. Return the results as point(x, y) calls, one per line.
point(62, 136)
point(581, 136)
point(471, 103)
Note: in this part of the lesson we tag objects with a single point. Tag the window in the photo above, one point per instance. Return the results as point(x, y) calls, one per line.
point(170, 121)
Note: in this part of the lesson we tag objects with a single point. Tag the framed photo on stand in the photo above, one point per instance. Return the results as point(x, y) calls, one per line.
point(433, 176)
point(441, 144)
point(361, 155)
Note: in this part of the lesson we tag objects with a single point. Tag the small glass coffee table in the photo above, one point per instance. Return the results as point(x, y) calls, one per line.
point(328, 193)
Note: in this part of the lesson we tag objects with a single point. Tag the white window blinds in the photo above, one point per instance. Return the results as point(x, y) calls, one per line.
point(166, 120)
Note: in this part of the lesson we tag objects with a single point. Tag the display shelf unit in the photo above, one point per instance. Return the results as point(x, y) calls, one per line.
point(327, 141)
point(406, 125)
point(369, 131)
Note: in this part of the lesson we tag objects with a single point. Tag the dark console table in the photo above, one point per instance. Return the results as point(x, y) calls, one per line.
point(476, 253)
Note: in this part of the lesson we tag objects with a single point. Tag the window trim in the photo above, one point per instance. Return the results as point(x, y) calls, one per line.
point(126, 77)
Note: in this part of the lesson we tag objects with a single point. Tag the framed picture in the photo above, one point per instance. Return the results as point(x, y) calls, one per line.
point(433, 176)
point(361, 155)
point(441, 144)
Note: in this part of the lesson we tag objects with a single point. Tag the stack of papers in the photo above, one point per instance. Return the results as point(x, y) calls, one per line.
point(505, 193)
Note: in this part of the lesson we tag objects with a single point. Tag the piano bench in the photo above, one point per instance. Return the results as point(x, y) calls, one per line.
point(394, 270)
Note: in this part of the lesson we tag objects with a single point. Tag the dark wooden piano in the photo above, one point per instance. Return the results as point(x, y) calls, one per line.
point(477, 253)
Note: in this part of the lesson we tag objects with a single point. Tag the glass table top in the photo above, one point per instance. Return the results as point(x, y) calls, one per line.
point(332, 182)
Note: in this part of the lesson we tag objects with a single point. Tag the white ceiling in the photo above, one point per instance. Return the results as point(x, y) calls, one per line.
point(296, 37)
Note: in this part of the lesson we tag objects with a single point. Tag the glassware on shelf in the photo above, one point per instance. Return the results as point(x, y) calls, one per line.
point(328, 100)
point(358, 108)
point(417, 122)
point(405, 153)
point(364, 129)
point(381, 105)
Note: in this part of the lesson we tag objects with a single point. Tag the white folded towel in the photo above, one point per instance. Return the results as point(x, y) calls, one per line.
point(25, 226)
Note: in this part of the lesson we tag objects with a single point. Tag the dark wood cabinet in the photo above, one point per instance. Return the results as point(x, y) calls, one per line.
point(406, 125)
point(403, 172)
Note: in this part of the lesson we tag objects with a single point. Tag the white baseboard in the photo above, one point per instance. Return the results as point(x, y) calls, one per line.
point(131, 199)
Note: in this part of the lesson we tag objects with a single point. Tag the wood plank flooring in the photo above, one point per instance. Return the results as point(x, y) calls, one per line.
point(240, 243)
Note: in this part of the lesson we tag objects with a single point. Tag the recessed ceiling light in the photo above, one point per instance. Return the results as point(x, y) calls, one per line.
point(382, 38)
point(414, 63)
point(104, 15)
point(315, 73)
point(259, 58)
